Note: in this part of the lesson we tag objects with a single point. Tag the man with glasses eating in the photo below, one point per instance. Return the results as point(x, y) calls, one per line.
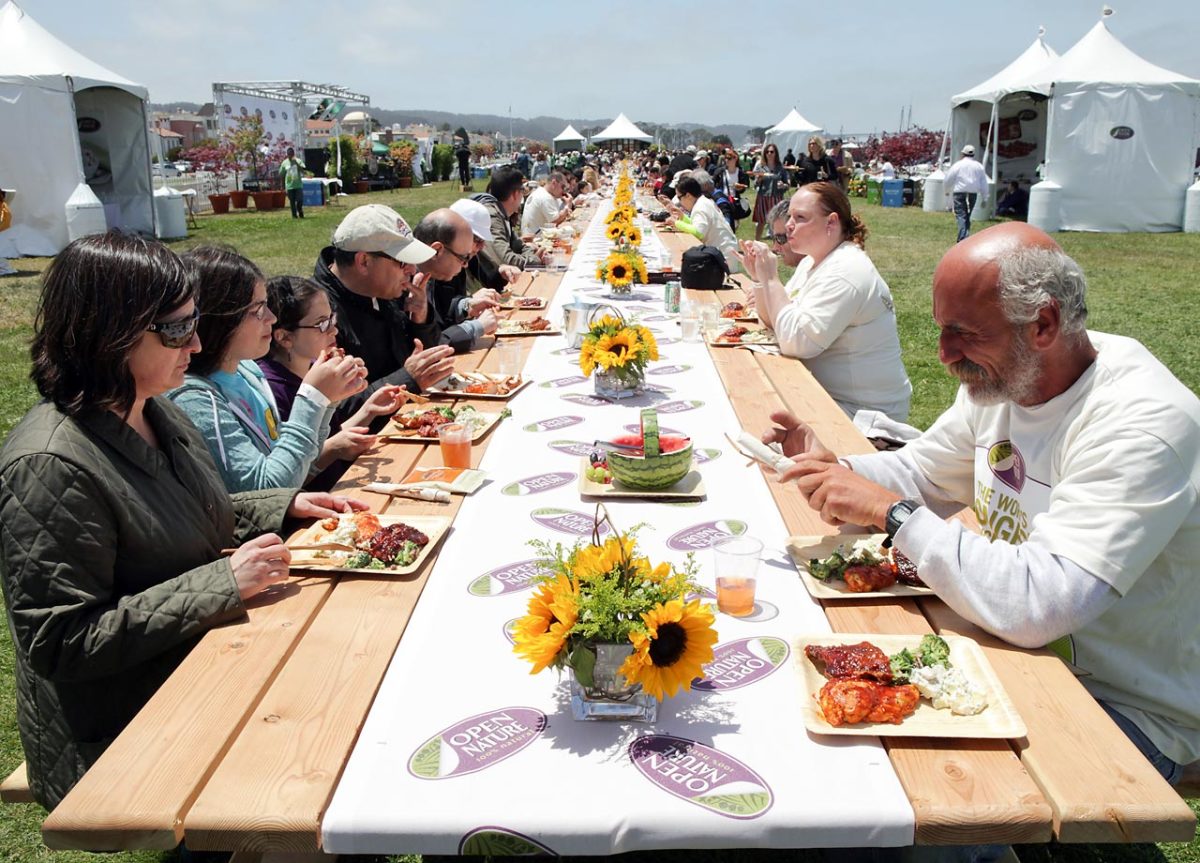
point(451, 237)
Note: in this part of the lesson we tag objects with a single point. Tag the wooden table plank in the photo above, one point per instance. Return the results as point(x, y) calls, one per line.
point(136, 794)
point(1101, 788)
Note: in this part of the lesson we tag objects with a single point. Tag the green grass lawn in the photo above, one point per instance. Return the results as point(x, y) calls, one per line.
point(1141, 285)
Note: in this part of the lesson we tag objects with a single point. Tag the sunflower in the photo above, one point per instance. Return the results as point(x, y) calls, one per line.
point(647, 339)
point(673, 650)
point(594, 561)
point(600, 272)
point(633, 236)
point(639, 269)
point(541, 635)
point(587, 357)
point(615, 231)
point(616, 350)
point(620, 273)
point(617, 215)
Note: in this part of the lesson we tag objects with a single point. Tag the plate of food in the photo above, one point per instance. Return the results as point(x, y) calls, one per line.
point(366, 542)
point(420, 426)
point(479, 385)
point(854, 566)
point(737, 335)
point(735, 311)
point(902, 686)
point(523, 303)
point(538, 326)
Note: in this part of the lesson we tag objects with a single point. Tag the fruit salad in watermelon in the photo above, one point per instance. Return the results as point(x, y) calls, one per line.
point(660, 460)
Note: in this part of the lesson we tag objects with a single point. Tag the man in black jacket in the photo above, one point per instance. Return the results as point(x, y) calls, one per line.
point(449, 235)
point(382, 310)
point(504, 197)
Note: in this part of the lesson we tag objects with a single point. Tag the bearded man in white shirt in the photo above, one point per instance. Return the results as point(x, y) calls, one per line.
point(1079, 453)
point(967, 180)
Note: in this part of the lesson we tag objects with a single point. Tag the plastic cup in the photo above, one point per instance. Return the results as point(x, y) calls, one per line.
point(689, 321)
point(508, 357)
point(735, 560)
point(455, 441)
point(709, 316)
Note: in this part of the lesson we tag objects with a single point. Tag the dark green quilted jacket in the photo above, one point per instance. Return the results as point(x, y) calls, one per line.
point(111, 566)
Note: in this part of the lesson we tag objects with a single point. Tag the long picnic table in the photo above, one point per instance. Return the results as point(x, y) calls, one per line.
point(244, 746)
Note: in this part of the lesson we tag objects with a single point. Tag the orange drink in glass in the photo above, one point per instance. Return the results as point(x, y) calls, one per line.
point(455, 441)
point(735, 596)
point(736, 563)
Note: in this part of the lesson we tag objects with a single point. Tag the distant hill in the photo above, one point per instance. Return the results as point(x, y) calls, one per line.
point(535, 128)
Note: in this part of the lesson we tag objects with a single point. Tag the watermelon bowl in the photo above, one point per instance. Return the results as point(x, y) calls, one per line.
point(664, 460)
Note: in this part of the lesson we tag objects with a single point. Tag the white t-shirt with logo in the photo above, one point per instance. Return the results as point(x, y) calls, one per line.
point(1106, 476)
point(842, 323)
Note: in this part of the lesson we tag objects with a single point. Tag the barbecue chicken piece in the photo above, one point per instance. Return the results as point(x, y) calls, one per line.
point(863, 660)
point(866, 578)
point(847, 702)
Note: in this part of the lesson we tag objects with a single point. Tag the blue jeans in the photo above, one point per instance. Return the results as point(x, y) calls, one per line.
point(964, 203)
point(1166, 768)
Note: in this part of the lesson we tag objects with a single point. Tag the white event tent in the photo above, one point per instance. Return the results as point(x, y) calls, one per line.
point(1118, 136)
point(68, 121)
point(791, 133)
point(568, 139)
point(622, 129)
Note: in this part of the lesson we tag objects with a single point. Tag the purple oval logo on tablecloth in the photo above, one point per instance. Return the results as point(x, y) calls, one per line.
point(566, 521)
point(492, 841)
point(679, 406)
point(702, 775)
point(477, 742)
point(510, 630)
point(537, 484)
point(666, 340)
point(742, 662)
point(553, 423)
point(573, 447)
point(668, 370)
point(657, 318)
point(703, 535)
point(700, 456)
point(587, 401)
point(564, 382)
point(509, 578)
point(565, 352)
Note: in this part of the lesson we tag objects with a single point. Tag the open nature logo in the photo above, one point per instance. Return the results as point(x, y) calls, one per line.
point(477, 742)
point(699, 774)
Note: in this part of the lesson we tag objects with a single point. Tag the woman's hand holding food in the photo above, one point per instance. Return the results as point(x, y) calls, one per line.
point(760, 262)
point(258, 563)
point(337, 376)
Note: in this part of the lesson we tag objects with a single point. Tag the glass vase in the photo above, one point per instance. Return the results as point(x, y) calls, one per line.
point(614, 384)
point(610, 697)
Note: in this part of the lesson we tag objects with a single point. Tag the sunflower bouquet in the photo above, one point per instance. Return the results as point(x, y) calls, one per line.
point(621, 213)
point(623, 268)
point(606, 593)
point(618, 348)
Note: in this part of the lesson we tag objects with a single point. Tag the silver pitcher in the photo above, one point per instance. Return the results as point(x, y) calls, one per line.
point(575, 322)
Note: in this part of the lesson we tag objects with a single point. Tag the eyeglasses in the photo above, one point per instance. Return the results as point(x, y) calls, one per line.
point(383, 255)
point(462, 259)
point(176, 334)
point(321, 326)
point(779, 239)
point(258, 310)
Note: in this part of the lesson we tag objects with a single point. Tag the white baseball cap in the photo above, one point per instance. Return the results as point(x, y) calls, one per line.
point(691, 148)
point(378, 228)
point(968, 150)
point(477, 217)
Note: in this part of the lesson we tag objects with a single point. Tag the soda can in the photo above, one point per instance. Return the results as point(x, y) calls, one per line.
point(671, 292)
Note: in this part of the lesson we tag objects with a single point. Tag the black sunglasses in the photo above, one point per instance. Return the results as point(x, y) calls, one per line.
point(321, 326)
point(176, 334)
point(780, 239)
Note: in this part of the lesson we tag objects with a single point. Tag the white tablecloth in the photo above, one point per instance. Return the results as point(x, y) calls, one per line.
point(513, 770)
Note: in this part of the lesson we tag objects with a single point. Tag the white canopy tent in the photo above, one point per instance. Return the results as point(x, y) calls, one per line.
point(791, 133)
point(68, 121)
point(622, 129)
point(568, 139)
point(1117, 134)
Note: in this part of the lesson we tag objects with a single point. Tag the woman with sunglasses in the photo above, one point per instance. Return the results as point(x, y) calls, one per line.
point(770, 182)
point(305, 334)
point(114, 514)
point(226, 395)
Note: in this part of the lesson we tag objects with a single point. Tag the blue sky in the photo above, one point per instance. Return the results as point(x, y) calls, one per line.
point(848, 66)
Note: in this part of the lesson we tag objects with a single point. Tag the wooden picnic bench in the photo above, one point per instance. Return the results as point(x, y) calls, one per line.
point(243, 746)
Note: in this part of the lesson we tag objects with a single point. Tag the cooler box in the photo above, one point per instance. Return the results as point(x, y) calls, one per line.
point(893, 193)
point(314, 193)
point(873, 193)
point(479, 173)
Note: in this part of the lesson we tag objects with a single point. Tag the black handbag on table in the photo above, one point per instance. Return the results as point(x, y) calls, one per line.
point(703, 268)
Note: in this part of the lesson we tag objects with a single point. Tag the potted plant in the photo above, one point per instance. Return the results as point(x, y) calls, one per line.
point(402, 153)
point(272, 159)
point(351, 161)
point(217, 162)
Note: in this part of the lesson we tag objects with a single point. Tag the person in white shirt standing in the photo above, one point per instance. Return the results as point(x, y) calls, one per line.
point(543, 207)
point(967, 180)
point(1079, 453)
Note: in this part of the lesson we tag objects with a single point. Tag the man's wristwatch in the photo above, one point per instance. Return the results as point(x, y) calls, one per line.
point(897, 514)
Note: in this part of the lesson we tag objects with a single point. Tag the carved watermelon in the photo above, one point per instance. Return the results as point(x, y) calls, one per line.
point(664, 462)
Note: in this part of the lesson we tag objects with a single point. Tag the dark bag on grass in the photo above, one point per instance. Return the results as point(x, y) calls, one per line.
point(703, 268)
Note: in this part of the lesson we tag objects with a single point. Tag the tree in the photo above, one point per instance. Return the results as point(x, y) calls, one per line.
point(917, 146)
point(244, 140)
point(721, 141)
point(757, 134)
point(445, 127)
point(699, 135)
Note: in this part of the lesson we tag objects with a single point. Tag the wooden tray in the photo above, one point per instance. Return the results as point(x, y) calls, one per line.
point(459, 391)
point(711, 338)
point(805, 548)
point(511, 304)
point(691, 487)
point(434, 527)
point(395, 434)
point(999, 720)
point(509, 328)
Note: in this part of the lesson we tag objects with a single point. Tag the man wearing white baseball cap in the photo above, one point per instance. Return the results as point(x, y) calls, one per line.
point(477, 288)
point(967, 180)
point(370, 273)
